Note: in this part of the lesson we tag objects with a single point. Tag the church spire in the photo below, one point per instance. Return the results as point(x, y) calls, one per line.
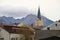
point(39, 23)
point(39, 15)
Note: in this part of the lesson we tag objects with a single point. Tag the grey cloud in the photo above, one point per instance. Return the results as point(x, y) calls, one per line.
point(14, 12)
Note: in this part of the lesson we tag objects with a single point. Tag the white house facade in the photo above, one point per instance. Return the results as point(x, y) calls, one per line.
point(14, 36)
point(49, 31)
point(4, 35)
point(54, 26)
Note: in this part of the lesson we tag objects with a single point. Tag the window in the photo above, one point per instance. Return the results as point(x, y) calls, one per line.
point(55, 24)
point(0, 32)
point(48, 28)
point(14, 39)
point(1, 38)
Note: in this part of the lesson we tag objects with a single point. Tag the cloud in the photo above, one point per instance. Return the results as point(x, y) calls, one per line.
point(14, 12)
point(19, 8)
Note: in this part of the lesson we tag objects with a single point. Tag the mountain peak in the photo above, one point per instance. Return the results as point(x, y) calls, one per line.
point(28, 20)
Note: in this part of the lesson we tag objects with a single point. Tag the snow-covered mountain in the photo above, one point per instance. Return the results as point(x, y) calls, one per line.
point(29, 19)
point(8, 20)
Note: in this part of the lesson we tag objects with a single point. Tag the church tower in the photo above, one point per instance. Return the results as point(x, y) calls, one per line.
point(39, 23)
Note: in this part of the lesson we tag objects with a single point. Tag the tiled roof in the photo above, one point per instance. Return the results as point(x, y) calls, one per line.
point(15, 29)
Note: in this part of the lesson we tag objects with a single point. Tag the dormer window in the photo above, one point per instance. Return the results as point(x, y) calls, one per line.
point(48, 28)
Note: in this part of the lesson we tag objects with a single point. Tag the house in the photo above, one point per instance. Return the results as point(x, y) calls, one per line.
point(4, 35)
point(27, 31)
point(49, 31)
point(42, 32)
point(15, 36)
point(13, 32)
point(54, 26)
point(8, 33)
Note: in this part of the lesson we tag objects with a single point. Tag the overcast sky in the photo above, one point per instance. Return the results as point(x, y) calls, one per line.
point(21, 8)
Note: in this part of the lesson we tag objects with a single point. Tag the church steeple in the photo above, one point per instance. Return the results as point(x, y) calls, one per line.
point(38, 22)
point(39, 15)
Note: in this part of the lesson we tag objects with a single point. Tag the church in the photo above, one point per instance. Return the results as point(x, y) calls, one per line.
point(39, 22)
point(51, 31)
